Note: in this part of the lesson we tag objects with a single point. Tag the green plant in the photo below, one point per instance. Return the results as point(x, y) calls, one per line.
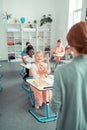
point(46, 19)
point(7, 16)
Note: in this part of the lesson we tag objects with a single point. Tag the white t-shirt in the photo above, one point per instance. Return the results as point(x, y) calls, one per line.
point(29, 59)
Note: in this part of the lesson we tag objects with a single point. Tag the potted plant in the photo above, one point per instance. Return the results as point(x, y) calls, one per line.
point(7, 16)
point(46, 19)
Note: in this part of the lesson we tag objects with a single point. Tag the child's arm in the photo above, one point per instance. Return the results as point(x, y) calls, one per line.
point(24, 59)
point(48, 63)
point(63, 49)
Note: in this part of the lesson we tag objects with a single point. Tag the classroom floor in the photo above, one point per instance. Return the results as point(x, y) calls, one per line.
point(14, 102)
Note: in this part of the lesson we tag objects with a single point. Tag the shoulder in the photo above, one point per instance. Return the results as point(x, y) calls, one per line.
point(23, 52)
point(26, 56)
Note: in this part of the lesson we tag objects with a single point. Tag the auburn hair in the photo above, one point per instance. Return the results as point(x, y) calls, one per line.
point(77, 37)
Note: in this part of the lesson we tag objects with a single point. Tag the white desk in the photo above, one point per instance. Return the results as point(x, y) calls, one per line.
point(42, 84)
point(66, 61)
point(59, 54)
point(23, 71)
point(49, 80)
point(28, 66)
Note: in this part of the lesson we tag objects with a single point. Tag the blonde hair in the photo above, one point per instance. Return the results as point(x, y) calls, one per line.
point(39, 52)
point(77, 37)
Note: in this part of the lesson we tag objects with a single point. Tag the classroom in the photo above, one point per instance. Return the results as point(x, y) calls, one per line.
point(37, 53)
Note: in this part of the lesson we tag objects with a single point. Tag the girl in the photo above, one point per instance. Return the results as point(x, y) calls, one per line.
point(29, 58)
point(39, 69)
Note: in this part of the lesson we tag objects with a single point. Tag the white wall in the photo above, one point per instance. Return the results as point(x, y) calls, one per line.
point(3, 48)
point(32, 10)
point(62, 20)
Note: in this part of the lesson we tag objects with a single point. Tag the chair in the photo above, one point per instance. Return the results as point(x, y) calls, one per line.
point(27, 88)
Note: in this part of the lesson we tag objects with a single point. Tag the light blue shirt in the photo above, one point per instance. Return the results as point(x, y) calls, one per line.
point(70, 95)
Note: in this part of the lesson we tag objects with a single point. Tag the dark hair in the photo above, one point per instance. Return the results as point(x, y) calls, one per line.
point(67, 47)
point(59, 40)
point(27, 43)
point(29, 48)
point(77, 37)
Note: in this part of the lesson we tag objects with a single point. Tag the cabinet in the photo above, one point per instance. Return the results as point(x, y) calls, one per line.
point(29, 34)
point(14, 41)
point(18, 35)
point(44, 39)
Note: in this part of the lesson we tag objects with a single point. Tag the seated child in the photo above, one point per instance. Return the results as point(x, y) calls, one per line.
point(29, 58)
point(23, 53)
point(40, 69)
point(59, 48)
point(68, 54)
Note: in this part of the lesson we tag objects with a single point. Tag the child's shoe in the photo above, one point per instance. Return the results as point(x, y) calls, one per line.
point(36, 105)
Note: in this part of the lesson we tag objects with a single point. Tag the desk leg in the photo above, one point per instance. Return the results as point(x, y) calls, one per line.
point(27, 88)
point(48, 117)
point(47, 105)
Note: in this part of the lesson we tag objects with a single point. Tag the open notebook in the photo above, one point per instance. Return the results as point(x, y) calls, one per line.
point(42, 83)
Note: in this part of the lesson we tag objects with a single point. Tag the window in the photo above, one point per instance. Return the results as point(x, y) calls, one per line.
point(75, 8)
point(76, 15)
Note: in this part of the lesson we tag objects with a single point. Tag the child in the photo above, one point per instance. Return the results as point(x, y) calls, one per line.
point(40, 70)
point(23, 53)
point(68, 55)
point(59, 48)
point(28, 58)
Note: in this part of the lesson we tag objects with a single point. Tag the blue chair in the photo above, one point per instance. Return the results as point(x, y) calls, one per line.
point(53, 63)
point(27, 88)
point(23, 73)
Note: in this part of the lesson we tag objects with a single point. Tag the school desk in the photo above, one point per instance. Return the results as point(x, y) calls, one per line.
point(27, 66)
point(59, 55)
point(48, 83)
point(65, 61)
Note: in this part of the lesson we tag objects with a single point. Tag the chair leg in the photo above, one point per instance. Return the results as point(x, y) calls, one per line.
point(1, 89)
point(26, 87)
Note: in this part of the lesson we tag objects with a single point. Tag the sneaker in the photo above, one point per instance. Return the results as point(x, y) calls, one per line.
point(36, 106)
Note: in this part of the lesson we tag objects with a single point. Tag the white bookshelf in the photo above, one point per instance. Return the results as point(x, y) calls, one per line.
point(19, 35)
